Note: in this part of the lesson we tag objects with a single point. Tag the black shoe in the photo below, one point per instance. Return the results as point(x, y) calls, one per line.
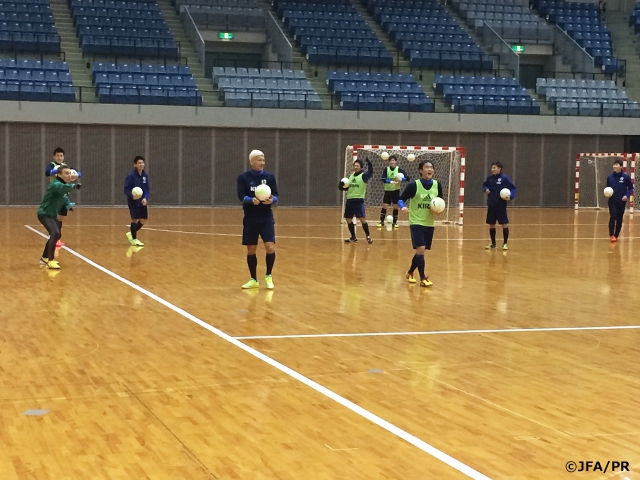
point(351, 240)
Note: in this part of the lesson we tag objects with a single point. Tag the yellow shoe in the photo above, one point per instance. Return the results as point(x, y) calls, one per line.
point(43, 261)
point(426, 282)
point(251, 284)
point(130, 238)
point(138, 243)
point(411, 278)
point(380, 225)
point(504, 246)
point(269, 282)
point(53, 265)
point(395, 225)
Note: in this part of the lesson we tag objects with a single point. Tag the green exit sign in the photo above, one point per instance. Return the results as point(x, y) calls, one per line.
point(225, 36)
point(517, 48)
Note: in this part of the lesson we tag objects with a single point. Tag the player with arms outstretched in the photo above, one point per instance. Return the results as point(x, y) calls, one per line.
point(258, 219)
point(392, 181)
point(357, 190)
point(421, 220)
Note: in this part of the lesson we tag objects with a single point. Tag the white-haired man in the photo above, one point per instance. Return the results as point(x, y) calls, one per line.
point(258, 217)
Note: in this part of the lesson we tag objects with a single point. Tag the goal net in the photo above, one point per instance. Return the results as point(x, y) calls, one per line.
point(448, 163)
point(592, 170)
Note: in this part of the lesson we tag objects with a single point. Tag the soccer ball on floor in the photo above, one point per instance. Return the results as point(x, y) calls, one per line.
point(608, 192)
point(136, 193)
point(505, 194)
point(437, 205)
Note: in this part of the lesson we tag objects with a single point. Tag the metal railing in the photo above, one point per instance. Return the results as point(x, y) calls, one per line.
point(281, 45)
point(194, 35)
point(502, 49)
point(572, 53)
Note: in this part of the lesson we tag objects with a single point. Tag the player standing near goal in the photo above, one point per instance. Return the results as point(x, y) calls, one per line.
point(137, 206)
point(496, 205)
point(622, 187)
point(258, 217)
point(392, 183)
point(357, 190)
point(51, 172)
point(421, 219)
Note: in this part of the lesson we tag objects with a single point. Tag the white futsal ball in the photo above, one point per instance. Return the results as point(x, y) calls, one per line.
point(437, 205)
point(263, 192)
point(400, 176)
point(384, 156)
point(608, 192)
point(505, 194)
point(136, 193)
point(345, 182)
point(411, 157)
point(389, 219)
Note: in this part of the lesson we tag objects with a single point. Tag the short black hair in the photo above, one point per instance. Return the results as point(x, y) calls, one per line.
point(393, 157)
point(138, 157)
point(58, 150)
point(62, 166)
point(617, 161)
point(497, 164)
point(359, 162)
point(423, 163)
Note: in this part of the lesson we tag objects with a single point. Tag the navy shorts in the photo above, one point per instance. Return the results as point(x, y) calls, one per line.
point(421, 236)
point(258, 228)
point(354, 208)
point(391, 197)
point(137, 210)
point(497, 214)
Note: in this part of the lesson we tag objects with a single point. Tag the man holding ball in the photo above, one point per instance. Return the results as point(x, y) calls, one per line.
point(499, 188)
point(136, 188)
point(421, 219)
point(258, 191)
point(622, 187)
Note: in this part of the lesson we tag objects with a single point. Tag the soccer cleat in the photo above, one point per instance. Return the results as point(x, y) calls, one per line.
point(131, 239)
point(395, 225)
point(504, 246)
point(369, 240)
point(491, 246)
point(613, 239)
point(411, 278)
point(253, 283)
point(425, 282)
point(269, 282)
point(59, 244)
point(53, 265)
point(380, 225)
point(351, 240)
point(138, 243)
point(44, 261)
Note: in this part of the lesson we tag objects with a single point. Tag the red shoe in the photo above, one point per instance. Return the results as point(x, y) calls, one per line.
point(59, 244)
point(613, 239)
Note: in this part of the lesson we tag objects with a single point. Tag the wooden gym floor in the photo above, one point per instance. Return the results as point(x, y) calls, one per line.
point(155, 364)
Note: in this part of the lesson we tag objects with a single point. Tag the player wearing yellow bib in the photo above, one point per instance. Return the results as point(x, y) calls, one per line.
point(392, 183)
point(357, 190)
point(421, 220)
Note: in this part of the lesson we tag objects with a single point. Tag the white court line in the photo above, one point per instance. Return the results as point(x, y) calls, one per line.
point(443, 332)
point(415, 441)
point(239, 234)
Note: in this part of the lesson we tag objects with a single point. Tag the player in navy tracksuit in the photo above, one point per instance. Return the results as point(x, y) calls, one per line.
point(496, 206)
point(137, 207)
point(258, 217)
point(622, 190)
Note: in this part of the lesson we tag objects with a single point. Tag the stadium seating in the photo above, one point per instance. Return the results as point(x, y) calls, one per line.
point(378, 91)
point(587, 97)
point(121, 28)
point(145, 84)
point(332, 32)
point(265, 88)
point(511, 19)
point(497, 95)
point(34, 80)
point(427, 35)
point(227, 13)
point(581, 21)
point(28, 26)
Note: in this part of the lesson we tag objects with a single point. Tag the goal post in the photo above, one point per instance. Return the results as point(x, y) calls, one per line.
point(448, 164)
point(592, 170)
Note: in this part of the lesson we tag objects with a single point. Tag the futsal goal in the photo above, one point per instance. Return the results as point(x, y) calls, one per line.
point(592, 170)
point(448, 163)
